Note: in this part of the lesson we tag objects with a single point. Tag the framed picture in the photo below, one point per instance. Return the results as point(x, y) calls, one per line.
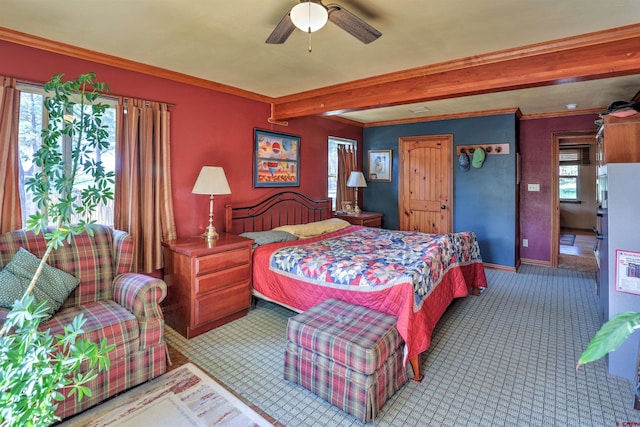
point(276, 159)
point(380, 165)
point(347, 206)
point(627, 274)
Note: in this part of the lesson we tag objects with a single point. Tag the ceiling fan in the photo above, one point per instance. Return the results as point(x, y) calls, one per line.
point(311, 15)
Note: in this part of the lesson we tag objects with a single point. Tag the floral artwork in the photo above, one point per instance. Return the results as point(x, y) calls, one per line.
point(277, 160)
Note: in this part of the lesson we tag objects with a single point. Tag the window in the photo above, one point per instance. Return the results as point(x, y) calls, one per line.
point(569, 173)
point(334, 143)
point(32, 118)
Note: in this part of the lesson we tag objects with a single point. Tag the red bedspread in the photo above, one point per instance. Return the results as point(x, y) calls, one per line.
point(415, 321)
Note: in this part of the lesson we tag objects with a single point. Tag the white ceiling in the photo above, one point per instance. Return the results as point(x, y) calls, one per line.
point(223, 41)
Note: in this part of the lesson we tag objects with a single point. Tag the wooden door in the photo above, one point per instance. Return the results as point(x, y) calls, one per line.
point(426, 184)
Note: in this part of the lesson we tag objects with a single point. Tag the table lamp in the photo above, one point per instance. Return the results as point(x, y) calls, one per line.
point(211, 181)
point(356, 179)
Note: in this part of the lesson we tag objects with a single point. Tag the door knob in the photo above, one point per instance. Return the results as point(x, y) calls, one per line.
point(443, 207)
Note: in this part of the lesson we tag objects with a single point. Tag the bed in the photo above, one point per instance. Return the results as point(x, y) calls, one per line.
point(413, 276)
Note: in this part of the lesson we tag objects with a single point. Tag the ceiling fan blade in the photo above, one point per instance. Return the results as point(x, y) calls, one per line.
point(352, 24)
point(283, 30)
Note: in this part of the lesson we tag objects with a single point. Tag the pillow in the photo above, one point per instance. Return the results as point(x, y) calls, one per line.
point(314, 228)
point(271, 236)
point(53, 285)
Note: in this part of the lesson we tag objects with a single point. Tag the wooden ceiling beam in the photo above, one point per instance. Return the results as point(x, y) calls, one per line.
point(609, 53)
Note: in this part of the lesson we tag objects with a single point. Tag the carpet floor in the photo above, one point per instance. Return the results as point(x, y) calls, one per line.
point(504, 358)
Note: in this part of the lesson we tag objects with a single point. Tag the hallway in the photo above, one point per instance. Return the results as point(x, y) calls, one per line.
point(578, 256)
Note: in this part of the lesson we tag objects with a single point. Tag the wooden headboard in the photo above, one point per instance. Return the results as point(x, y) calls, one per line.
point(285, 208)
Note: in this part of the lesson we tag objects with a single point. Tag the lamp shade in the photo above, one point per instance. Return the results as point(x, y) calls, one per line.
point(356, 179)
point(211, 180)
point(309, 16)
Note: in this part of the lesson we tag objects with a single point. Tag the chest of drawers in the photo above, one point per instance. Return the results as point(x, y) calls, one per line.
point(208, 284)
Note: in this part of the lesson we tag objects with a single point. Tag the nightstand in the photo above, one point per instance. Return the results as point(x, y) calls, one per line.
point(368, 219)
point(208, 285)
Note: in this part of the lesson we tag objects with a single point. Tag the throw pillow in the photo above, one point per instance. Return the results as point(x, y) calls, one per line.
point(271, 236)
point(314, 228)
point(53, 285)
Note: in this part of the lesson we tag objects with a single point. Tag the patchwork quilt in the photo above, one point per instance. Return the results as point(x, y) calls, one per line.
point(374, 259)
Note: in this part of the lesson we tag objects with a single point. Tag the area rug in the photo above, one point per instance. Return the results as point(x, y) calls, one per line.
point(567, 239)
point(185, 396)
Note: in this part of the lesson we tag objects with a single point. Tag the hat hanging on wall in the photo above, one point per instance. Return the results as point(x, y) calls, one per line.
point(463, 161)
point(478, 158)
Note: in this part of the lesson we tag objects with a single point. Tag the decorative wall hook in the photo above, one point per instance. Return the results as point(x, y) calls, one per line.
point(488, 148)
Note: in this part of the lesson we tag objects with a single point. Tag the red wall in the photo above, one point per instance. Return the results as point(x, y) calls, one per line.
point(536, 138)
point(207, 128)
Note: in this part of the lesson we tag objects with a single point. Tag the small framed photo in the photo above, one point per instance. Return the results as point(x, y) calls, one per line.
point(276, 159)
point(347, 206)
point(380, 165)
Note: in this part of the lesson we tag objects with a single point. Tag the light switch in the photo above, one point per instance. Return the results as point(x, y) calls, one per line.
point(533, 187)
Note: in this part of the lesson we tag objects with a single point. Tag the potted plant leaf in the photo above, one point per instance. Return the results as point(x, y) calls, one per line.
point(611, 336)
point(36, 368)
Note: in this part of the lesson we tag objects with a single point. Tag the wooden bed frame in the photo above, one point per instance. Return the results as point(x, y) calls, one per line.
point(284, 208)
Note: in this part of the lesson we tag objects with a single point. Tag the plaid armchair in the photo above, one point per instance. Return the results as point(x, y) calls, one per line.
point(120, 305)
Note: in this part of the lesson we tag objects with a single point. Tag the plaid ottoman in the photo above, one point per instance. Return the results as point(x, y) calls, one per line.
point(349, 355)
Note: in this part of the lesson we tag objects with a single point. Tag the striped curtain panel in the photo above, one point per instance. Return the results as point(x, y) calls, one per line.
point(144, 206)
point(10, 208)
point(346, 164)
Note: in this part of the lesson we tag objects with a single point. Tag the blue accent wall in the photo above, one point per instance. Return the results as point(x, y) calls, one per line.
point(484, 199)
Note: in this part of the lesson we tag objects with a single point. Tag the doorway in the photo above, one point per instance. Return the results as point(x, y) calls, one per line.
point(425, 189)
point(573, 205)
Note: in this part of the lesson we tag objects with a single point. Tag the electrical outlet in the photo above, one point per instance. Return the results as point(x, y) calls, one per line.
point(533, 187)
point(525, 243)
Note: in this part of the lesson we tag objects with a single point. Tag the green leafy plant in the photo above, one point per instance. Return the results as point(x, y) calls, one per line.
point(610, 336)
point(36, 367)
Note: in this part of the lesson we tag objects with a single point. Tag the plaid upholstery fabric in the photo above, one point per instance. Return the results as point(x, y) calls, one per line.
point(354, 392)
point(349, 355)
point(119, 305)
point(123, 249)
point(90, 259)
point(141, 295)
point(124, 373)
point(352, 335)
point(104, 319)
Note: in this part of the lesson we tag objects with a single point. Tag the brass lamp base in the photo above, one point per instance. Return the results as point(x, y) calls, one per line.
point(210, 233)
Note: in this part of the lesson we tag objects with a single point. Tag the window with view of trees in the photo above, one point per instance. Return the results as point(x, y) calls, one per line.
point(569, 182)
point(569, 173)
point(32, 119)
point(334, 143)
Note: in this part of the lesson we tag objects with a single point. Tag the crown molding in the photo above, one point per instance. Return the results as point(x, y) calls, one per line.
point(564, 113)
point(126, 64)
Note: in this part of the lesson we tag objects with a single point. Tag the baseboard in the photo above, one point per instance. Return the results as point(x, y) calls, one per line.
point(499, 267)
point(536, 262)
point(570, 229)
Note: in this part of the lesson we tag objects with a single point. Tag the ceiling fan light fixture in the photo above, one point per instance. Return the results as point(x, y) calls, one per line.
point(309, 16)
